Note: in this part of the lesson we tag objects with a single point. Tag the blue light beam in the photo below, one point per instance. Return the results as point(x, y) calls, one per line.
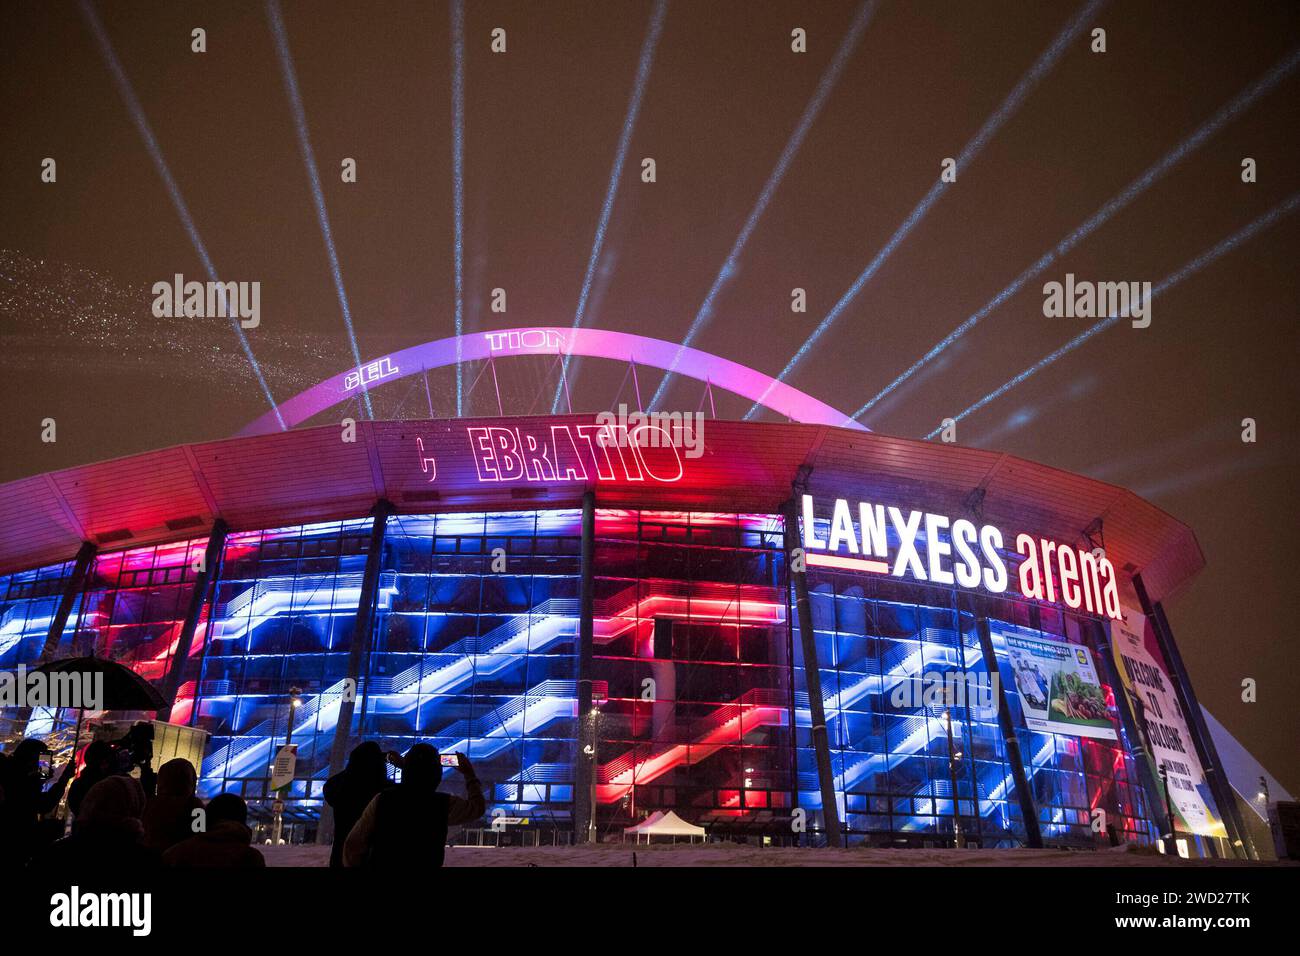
point(1134, 189)
point(1213, 473)
point(616, 174)
point(731, 265)
point(1190, 269)
point(127, 92)
point(290, 77)
point(458, 182)
point(970, 151)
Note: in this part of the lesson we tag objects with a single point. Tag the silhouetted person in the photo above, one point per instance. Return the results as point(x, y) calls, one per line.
point(106, 835)
point(226, 842)
point(407, 825)
point(100, 763)
point(169, 815)
point(26, 800)
point(350, 791)
point(103, 760)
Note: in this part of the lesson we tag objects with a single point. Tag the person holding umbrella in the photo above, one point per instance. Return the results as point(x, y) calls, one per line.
point(119, 688)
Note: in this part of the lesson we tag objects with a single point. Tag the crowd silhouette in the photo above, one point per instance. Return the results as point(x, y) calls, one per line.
point(125, 818)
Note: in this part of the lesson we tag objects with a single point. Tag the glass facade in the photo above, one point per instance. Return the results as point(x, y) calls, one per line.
point(693, 649)
point(476, 651)
point(133, 606)
point(699, 682)
point(887, 652)
point(29, 601)
point(283, 613)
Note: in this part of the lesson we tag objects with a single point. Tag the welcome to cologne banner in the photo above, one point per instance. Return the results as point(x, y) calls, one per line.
point(1169, 742)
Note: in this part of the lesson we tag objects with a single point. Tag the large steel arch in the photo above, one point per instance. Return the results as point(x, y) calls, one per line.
point(596, 343)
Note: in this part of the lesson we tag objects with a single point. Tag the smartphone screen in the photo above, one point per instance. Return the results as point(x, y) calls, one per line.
point(449, 760)
point(44, 765)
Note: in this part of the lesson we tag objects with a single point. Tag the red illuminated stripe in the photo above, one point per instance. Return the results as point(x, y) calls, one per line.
point(847, 564)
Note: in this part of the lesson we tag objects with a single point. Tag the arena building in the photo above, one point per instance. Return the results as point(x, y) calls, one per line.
point(809, 632)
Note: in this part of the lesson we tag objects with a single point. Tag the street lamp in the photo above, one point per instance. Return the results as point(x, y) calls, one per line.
point(590, 751)
point(277, 807)
point(952, 782)
point(295, 701)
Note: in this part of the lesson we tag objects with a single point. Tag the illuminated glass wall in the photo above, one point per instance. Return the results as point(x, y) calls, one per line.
point(475, 651)
point(879, 648)
point(881, 644)
point(28, 603)
point(692, 662)
point(1072, 776)
point(285, 605)
point(130, 610)
point(134, 604)
point(700, 694)
point(472, 650)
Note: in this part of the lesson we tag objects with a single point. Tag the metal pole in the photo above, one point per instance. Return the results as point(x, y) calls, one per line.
point(361, 639)
point(584, 791)
point(180, 657)
point(959, 645)
point(595, 755)
point(952, 781)
point(85, 554)
point(812, 677)
point(1265, 798)
point(1033, 833)
point(295, 699)
point(360, 634)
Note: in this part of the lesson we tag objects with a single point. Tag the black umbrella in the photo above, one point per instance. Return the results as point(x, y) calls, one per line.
point(124, 689)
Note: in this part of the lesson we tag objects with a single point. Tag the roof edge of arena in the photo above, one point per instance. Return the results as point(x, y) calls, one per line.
point(421, 466)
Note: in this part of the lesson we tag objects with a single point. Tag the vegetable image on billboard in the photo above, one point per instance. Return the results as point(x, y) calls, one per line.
point(1058, 686)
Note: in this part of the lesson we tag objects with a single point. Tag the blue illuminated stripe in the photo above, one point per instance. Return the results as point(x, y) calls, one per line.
point(732, 263)
point(1187, 270)
point(1134, 189)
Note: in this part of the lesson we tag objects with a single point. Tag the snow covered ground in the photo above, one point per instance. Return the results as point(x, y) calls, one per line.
point(725, 854)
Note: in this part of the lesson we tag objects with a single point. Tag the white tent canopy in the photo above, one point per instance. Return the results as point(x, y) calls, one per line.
point(664, 824)
point(648, 821)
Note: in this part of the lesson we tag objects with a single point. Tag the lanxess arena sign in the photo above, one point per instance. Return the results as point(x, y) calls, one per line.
point(942, 550)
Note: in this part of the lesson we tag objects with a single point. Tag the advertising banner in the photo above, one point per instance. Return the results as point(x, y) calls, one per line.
point(1168, 740)
point(1058, 687)
point(286, 762)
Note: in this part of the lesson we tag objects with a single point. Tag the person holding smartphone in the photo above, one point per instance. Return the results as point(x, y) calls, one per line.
point(407, 825)
point(23, 774)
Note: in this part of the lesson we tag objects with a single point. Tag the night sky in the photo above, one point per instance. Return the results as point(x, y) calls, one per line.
point(1157, 410)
